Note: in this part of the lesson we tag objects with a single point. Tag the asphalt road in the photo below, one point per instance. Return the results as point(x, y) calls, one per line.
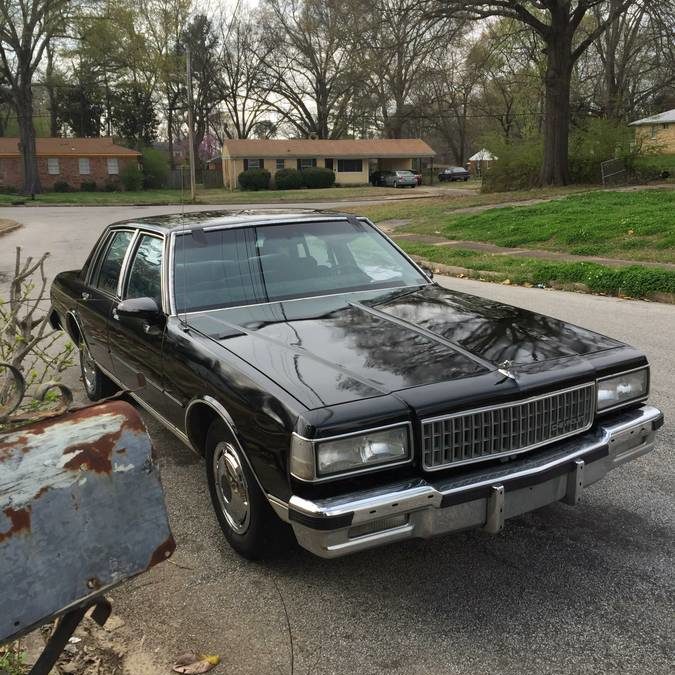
point(563, 590)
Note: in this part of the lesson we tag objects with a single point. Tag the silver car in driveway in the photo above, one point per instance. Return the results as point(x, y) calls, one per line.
point(399, 178)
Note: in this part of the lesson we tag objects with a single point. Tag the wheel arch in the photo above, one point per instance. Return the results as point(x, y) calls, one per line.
point(200, 415)
point(73, 329)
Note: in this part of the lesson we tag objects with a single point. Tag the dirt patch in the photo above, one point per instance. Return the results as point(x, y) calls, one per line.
point(7, 225)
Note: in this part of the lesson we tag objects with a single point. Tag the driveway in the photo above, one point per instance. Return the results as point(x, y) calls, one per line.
point(562, 590)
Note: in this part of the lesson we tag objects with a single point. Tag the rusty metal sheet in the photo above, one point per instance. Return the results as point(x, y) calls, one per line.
point(81, 510)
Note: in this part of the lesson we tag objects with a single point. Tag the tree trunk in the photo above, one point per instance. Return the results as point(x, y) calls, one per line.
point(51, 94)
point(24, 111)
point(169, 134)
point(555, 164)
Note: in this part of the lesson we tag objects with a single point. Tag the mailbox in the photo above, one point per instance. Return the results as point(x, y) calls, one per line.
point(81, 511)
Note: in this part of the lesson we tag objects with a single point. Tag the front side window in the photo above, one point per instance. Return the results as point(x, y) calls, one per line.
point(85, 169)
point(350, 165)
point(113, 166)
point(110, 266)
point(145, 275)
point(53, 166)
point(232, 267)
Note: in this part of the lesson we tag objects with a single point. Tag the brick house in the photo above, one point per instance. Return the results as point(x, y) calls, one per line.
point(73, 160)
point(657, 131)
point(351, 160)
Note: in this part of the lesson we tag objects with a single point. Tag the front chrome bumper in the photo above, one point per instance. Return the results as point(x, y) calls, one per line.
point(481, 498)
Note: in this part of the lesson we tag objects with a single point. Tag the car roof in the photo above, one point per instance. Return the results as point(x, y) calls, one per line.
point(177, 222)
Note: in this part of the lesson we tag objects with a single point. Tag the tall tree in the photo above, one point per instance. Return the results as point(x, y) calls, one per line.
point(558, 24)
point(398, 40)
point(200, 37)
point(26, 28)
point(311, 63)
point(244, 89)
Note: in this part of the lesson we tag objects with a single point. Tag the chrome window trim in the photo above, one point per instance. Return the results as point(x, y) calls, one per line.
point(355, 472)
point(632, 401)
point(102, 247)
point(125, 263)
point(525, 401)
point(136, 244)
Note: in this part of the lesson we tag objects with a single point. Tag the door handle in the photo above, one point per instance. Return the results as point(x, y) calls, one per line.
point(85, 295)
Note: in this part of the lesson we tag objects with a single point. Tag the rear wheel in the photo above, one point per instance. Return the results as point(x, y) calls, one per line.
point(96, 384)
point(250, 526)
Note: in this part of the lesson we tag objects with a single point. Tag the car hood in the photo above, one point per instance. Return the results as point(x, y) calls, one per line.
point(334, 349)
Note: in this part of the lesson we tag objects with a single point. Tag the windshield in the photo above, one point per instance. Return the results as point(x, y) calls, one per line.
point(242, 266)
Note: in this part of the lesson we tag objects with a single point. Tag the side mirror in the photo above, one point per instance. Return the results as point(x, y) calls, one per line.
point(139, 308)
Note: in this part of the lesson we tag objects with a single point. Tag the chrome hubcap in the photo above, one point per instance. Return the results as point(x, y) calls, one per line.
point(231, 487)
point(88, 368)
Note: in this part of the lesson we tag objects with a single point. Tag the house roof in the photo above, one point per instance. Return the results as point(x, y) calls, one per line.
point(482, 156)
point(366, 148)
point(661, 118)
point(64, 147)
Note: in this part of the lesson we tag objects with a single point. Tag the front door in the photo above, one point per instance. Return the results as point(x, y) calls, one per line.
point(136, 344)
point(96, 302)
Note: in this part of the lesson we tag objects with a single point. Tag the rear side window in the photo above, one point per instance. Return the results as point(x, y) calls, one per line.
point(109, 269)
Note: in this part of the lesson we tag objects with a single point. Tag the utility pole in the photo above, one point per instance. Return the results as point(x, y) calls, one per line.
point(191, 148)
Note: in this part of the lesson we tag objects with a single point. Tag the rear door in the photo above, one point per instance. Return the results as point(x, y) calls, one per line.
point(102, 292)
point(136, 343)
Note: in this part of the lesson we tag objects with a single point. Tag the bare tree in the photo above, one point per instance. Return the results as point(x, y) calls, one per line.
point(26, 28)
point(244, 89)
point(312, 64)
point(558, 23)
point(399, 38)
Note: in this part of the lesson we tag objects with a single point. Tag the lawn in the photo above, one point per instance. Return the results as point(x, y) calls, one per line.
point(636, 226)
point(634, 281)
point(154, 197)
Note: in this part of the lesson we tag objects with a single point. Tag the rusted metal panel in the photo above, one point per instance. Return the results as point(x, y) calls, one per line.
point(81, 510)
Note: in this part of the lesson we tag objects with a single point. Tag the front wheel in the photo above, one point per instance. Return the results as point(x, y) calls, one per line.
point(250, 526)
point(96, 384)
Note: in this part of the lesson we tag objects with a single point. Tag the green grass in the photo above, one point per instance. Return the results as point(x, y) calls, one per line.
point(633, 281)
point(155, 197)
point(625, 225)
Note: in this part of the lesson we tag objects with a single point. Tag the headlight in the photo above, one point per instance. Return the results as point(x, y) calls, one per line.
point(312, 460)
point(618, 389)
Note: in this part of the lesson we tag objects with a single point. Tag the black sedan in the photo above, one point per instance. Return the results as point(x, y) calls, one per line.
point(453, 173)
point(336, 392)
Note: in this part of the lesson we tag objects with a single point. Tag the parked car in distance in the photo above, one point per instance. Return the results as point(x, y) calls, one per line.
point(398, 178)
point(453, 173)
point(336, 392)
point(418, 176)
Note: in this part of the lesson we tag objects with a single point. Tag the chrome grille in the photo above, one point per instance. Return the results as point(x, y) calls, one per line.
point(506, 429)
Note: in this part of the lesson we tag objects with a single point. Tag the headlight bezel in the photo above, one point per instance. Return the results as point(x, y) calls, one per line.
point(310, 448)
point(632, 401)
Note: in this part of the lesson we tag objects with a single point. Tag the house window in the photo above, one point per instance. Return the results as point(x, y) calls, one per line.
point(253, 164)
point(328, 163)
point(53, 166)
point(306, 163)
point(664, 126)
point(350, 165)
point(113, 166)
point(280, 164)
point(653, 134)
point(85, 169)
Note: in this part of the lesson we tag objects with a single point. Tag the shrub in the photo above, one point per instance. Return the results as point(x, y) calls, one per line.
point(517, 166)
point(254, 179)
point(8, 190)
point(288, 179)
point(318, 177)
point(61, 186)
point(112, 186)
point(88, 186)
point(155, 169)
point(131, 177)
